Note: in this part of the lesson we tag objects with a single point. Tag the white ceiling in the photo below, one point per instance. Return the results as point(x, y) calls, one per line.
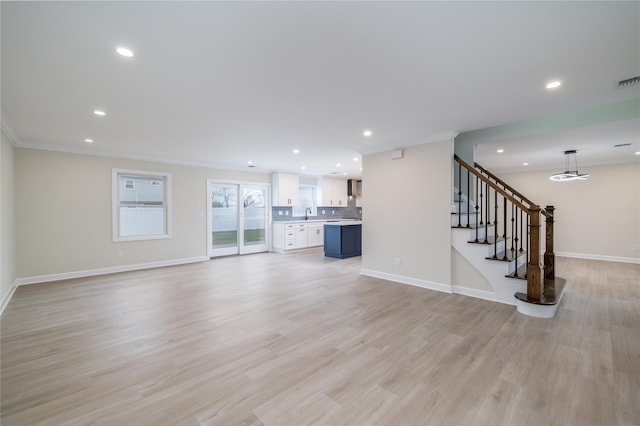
point(594, 145)
point(222, 83)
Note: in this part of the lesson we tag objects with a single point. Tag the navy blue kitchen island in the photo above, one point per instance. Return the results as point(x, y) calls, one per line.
point(342, 239)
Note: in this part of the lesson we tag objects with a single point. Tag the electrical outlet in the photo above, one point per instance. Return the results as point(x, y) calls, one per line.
point(634, 247)
point(286, 213)
point(119, 253)
point(322, 211)
point(333, 212)
point(398, 262)
point(280, 213)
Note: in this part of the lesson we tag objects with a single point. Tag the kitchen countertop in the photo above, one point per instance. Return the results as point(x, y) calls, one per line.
point(344, 223)
point(330, 221)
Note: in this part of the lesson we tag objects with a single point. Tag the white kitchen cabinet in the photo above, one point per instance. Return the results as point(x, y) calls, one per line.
point(285, 189)
point(297, 235)
point(315, 234)
point(284, 236)
point(334, 192)
point(302, 240)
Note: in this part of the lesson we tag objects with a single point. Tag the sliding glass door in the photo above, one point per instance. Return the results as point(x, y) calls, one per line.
point(238, 218)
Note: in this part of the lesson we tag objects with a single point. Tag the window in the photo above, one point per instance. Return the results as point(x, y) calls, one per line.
point(141, 205)
point(306, 200)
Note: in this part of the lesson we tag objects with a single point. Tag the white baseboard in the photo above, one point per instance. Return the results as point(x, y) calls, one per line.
point(108, 270)
point(598, 257)
point(9, 295)
point(445, 288)
point(472, 292)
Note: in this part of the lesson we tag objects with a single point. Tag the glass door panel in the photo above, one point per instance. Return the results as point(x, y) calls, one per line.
point(224, 219)
point(238, 220)
point(254, 221)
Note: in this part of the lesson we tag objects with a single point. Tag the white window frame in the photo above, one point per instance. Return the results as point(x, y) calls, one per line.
point(298, 211)
point(115, 204)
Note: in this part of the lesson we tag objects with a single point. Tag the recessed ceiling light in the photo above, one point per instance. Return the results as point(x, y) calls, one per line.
point(249, 162)
point(360, 168)
point(345, 173)
point(303, 167)
point(338, 165)
point(88, 140)
point(525, 164)
point(100, 113)
point(123, 51)
point(355, 158)
point(500, 151)
point(367, 133)
point(553, 84)
point(637, 153)
point(296, 151)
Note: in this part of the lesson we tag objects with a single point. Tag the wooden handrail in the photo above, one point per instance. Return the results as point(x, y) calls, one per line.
point(493, 185)
point(503, 183)
point(533, 211)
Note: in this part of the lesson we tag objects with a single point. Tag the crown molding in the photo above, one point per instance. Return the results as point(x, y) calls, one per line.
point(7, 131)
point(137, 157)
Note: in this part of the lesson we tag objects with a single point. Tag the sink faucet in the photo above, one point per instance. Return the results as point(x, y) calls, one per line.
point(306, 213)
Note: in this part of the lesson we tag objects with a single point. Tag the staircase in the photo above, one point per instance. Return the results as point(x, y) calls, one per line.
point(497, 230)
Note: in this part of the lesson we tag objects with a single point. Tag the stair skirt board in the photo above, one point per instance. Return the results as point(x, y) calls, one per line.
point(504, 287)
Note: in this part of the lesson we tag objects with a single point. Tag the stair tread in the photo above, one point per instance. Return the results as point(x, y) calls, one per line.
point(509, 255)
point(521, 275)
point(490, 240)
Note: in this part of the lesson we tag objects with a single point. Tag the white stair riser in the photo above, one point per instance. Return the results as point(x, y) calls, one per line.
point(492, 248)
point(522, 259)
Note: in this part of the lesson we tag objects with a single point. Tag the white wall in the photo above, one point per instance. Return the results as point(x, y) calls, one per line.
point(7, 235)
point(407, 215)
point(63, 213)
point(597, 218)
point(464, 274)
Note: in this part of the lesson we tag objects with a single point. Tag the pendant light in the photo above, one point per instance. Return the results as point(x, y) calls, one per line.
point(570, 174)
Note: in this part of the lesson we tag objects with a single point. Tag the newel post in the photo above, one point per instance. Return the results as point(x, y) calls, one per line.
point(533, 268)
point(549, 258)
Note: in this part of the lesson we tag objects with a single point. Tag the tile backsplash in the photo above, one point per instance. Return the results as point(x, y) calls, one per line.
point(350, 212)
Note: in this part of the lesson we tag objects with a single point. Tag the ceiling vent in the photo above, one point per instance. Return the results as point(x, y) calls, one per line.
point(630, 82)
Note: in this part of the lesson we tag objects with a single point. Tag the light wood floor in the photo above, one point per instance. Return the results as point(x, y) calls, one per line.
point(300, 339)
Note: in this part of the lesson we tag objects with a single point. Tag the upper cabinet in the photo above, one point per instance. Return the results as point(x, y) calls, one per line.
point(334, 192)
point(284, 189)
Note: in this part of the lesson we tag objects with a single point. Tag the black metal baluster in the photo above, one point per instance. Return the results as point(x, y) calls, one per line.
point(476, 216)
point(516, 253)
point(488, 213)
point(527, 246)
point(459, 195)
point(495, 224)
point(504, 227)
point(521, 233)
point(481, 205)
point(513, 209)
point(468, 198)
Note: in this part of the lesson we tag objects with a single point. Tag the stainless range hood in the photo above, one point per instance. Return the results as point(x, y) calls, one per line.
point(352, 187)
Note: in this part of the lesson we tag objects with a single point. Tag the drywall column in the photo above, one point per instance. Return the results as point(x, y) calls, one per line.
point(406, 229)
point(7, 220)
